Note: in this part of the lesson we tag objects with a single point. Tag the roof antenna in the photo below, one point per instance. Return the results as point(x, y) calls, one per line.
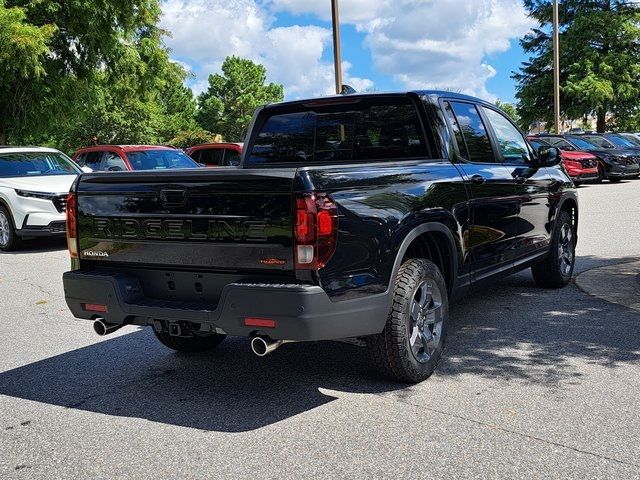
point(347, 90)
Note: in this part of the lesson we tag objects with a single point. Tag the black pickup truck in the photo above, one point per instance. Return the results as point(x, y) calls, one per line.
point(350, 217)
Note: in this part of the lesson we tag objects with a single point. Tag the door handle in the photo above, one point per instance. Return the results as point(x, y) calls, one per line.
point(477, 179)
point(520, 180)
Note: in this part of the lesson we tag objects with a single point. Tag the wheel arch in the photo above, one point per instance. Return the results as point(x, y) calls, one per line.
point(433, 241)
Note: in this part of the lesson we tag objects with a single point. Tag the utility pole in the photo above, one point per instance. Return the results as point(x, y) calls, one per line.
point(556, 65)
point(337, 57)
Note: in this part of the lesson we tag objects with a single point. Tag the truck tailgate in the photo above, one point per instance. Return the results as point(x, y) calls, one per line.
point(224, 219)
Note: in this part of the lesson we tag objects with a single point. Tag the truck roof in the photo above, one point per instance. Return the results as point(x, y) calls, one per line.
point(435, 94)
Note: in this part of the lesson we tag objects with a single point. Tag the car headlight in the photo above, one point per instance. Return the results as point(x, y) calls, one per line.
point(29, 194)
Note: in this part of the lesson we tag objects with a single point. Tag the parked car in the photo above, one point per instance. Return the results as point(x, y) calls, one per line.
point(34, 185)
point(614, 164)
point(217, 154)
point(350, 216)
point(581, 166)
point(615, 139)
point(119, 158)
point(632, 137)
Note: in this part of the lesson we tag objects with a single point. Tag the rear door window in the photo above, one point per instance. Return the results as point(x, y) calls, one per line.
point(363, 131)
point(473, 132)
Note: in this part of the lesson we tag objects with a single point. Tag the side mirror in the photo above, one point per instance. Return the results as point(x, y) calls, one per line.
point(86, 169)
point(549, 156)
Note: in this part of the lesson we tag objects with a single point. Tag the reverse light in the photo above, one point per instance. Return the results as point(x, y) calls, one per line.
point(316, 230)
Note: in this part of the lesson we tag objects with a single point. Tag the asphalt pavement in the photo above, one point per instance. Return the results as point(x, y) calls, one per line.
point(534, 384)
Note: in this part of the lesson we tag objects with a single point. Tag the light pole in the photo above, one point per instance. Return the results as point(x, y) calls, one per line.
point(556, 65)
point(335, 16)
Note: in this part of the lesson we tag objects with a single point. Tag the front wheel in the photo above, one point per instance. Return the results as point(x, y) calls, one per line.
point(9, 240)
point(556, 269)
point(411, 344)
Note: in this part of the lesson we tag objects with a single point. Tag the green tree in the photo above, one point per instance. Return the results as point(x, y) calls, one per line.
point(600, 61)
point(23, 51)
point(228, 105)
point(55, 57)
point(141, 99)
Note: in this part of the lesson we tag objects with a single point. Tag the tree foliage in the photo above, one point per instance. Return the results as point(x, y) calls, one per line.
point(228, 104)
point(73, 72)
point(599, 57)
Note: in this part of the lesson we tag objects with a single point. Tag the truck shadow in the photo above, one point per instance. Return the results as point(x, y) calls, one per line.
point(511, 332)
point(229, 389)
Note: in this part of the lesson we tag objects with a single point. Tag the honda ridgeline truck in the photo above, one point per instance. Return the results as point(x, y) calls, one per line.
point(349, 217)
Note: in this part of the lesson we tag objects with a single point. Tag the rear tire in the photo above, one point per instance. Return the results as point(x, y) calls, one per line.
point(556, 269)
point(411, 344)
point(195, 344)
point(9, 240)
point(615, 180)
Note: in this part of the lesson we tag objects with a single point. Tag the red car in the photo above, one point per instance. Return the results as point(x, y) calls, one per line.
point(217, 154)
point(581, 166)
point(118, 158)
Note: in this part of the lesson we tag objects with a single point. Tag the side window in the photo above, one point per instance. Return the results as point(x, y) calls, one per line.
point(512, 144)
point(196, 155)
point(462, 146)
point(231, 158)
point(91, 160)
point(474, 133)
point(113, 163)
point(211, 157)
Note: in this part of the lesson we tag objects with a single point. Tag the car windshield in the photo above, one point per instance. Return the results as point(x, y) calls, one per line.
point(583, 144)
point(620, 141)
point(160, 160)
point(561, 143)
point(632, 138)
point(600, 142)
point(36, 164)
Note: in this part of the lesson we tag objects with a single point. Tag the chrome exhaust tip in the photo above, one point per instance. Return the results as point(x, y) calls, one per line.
point(103, 328)
point(263, 346)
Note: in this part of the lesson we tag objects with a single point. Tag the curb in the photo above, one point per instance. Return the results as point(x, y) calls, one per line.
point(616, 284)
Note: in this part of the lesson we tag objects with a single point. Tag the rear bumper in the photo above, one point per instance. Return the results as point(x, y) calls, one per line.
point(302, 312)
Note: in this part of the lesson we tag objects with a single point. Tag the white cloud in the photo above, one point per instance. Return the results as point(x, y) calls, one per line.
point(429, 43)
point(204, 32)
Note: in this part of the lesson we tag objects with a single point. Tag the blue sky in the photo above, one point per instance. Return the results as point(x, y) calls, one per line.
point(387, 44)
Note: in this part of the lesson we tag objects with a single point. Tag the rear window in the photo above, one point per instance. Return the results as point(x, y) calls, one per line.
point(160, 160)
point(380, 130)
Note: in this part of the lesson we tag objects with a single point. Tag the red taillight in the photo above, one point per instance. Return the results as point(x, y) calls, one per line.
point(316, 230)
point(72, 227)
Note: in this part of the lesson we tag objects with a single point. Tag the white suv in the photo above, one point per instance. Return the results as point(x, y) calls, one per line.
point(34, 184)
